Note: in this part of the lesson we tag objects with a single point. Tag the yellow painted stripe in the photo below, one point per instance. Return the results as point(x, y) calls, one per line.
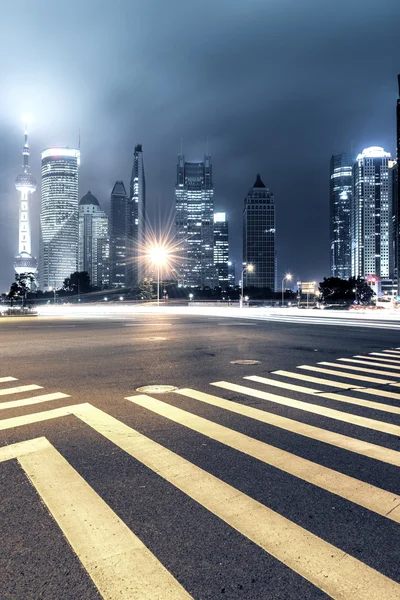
point(329, 568)
point(368, 496)
point(381, 360)
point(380, 393)
point(335, 572)
point(394, 357)
point(38, 417)
point(119, 564)
point(33, 400)
point(282, 384)
point(20, 388)
point(344, 375)
point(368, 363)
point(5, 379)
point(313, 408)
point(339, 397)
point(345, 442)
point(326, 382)
point(361, 369)
point(13, 451)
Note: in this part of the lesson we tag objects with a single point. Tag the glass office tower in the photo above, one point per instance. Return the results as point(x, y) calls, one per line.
point(259, 236)
point(58, 217)
point(194, 202)
point(341, 190)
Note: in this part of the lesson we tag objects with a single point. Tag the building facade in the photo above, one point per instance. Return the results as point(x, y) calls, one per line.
point(371, 214)
point(221, 249)
point(396, 199)
point(341, 190)
point(120, 245)
point(94, 243)
point(25, 184)
point(194, 203)
point(259, 237)
point(58, 217)
point(137, 216)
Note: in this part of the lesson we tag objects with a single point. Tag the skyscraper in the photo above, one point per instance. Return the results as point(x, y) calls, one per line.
point(396, 199)
point(25, 184)
point(221, 248)
point(341, 185)
point(194, 202)
point(137, 214)
point(259, 236)
point(58, 216)
point(371, 214)
point(120, 259)
point(93, 246)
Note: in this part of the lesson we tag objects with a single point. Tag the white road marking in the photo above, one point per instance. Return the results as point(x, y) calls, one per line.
point(33, 400)
point(320, 381)
point(119, 564)
point(333, 396)
point(19, 389)
point(6, 379)
point(345, 375)
point(364, 494)
point(361, 369)
point(313, 408)
point(344, 442)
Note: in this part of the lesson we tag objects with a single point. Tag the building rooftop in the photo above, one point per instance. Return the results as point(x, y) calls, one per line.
point(89, 199)
point(258, 183)
point(119, 189)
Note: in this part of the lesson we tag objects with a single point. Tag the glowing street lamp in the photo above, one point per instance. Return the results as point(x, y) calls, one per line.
point(248, 269)
point(51, 289)
point(158, 255)
point(287, 277)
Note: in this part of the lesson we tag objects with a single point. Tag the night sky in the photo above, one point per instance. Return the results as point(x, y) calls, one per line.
point(277, 86)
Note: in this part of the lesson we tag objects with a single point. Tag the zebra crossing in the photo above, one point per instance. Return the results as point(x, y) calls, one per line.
point(115, 558)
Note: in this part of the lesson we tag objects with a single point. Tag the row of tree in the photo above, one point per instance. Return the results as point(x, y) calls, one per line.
point(332, 290)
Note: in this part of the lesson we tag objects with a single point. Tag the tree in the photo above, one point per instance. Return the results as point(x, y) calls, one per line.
point(334, 290)
point(21, 286)
point(78, 283)
point(146, 289)
point(363, 292)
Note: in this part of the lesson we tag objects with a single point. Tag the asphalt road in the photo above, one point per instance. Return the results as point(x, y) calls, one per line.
point(157, 503)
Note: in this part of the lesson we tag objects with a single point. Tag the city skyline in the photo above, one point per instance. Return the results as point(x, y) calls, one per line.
point(253, 124)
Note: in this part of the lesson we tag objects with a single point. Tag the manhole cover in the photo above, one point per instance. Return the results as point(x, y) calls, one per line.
point(245, 362)
point(156, 389)
point(156, 339)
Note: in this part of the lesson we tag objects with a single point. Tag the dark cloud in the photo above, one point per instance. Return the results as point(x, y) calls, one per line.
point(277, 86)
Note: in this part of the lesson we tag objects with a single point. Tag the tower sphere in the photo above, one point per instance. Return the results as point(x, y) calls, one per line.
point(25, 183)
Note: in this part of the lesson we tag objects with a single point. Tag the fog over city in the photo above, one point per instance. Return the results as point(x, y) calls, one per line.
point(276, 86)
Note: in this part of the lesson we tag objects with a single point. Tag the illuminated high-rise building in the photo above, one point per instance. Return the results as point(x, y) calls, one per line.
point(25, 184)
point(58, 216)
point(120, 245)
point(341, 189)
point(259, 237)
point(221, 249)
point(137, 216)
point(396, 198)
point(94, 241)
point(371, 214)
point(194, 203)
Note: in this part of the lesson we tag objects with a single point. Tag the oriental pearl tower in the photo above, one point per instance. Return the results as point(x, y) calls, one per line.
point(25, 184)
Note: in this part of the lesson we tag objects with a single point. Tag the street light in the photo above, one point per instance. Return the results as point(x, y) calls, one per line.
point(51, 289)
point(287, 277)
point(249, 269)
point(158, 255)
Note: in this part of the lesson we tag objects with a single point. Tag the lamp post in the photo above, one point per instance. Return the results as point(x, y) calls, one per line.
point(287, 277)
point(51, 289)
point(158, 255)
point(249, 269)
